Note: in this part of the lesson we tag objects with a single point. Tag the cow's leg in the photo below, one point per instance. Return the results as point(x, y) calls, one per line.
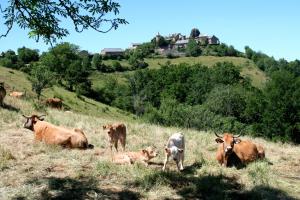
point(116, 145)
point(177, 164)
point(165, 162)
point(182, 159)
point(123, 142)
point(67, 143)
point(181, 162)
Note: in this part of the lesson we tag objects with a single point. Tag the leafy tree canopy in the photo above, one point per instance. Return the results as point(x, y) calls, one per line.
point(194, 33)
point(44, 18)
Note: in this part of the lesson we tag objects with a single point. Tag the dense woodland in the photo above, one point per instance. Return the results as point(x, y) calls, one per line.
point(193, 96)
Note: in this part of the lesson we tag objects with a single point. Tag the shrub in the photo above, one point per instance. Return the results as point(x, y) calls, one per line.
point(5, 156)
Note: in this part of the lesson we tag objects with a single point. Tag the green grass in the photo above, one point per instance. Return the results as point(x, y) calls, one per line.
point(248, 67)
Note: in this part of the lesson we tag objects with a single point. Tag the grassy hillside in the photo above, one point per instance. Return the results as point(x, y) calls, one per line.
point(248, 67)
point(31, 170)
point(17, 81)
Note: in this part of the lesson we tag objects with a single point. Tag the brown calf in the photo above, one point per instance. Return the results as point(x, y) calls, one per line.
point(144, 156)
point(54, 103)
point(116, 132)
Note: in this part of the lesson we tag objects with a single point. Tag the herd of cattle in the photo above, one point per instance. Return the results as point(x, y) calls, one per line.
point(51, 102)
point(231, 151)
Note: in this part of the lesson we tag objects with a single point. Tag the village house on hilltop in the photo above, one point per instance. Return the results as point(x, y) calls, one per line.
point(178, 41)
point(175, 43)
point(112, 52)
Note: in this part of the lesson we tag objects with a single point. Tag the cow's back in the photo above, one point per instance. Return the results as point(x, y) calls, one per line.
point(54, 102)
point(177, 139)
point(50, 133)
point(246, 151)
point(120, 130)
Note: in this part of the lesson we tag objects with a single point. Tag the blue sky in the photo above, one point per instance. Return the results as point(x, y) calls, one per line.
point(268, 26)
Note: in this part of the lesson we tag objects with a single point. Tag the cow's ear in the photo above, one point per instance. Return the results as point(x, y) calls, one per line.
point(180, 150)
point(237, 140)
point(219, 140)
point(167, 150)
point(144, 151)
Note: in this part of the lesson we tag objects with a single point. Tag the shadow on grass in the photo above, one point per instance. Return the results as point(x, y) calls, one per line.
point(83, 188)
point(191, 169)
point(189, 186)
point(10, 108)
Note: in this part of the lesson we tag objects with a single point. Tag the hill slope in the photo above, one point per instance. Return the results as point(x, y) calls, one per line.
point(17, 81)
point(248, 67)
point(31, 170)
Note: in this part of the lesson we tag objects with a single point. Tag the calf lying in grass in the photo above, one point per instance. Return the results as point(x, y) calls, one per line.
point(144, 156)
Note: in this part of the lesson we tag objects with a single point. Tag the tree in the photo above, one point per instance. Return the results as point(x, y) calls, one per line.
point(194, 33)
point(145, 49)
point(60, 57)
point(280, 119)
point(249, 52)
point(43, 17)
point(9, 59)
point(97, 62)
point(159, 41)
point(27, 55)
point(40, 78)
point(192, 48)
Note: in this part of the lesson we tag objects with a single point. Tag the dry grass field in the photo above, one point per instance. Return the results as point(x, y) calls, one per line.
point(31, 170)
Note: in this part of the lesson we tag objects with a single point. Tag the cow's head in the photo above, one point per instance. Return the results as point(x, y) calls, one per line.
point(228, 140)
point(174, 152)
point(150, 152)
point(30, 121)
point(108, 129)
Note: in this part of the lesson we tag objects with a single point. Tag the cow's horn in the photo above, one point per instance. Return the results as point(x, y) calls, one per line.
point(41, 116)
point(237, 135)
point(217, 135)
point(25, 116)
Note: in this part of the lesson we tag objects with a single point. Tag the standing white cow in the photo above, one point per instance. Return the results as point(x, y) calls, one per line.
point(175, 150)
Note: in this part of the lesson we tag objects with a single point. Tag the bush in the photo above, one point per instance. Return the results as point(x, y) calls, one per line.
point(117, 66)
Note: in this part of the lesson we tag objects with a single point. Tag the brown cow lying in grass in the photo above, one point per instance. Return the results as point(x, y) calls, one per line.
point(2, 93)
point(116, 132)
point(232, 146)
point(51, 134)
point(16, 94)
point(144, 156)
point(54, 103)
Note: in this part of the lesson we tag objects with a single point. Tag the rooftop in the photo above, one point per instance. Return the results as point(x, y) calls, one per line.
point(112, 50)
point(181, 41)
